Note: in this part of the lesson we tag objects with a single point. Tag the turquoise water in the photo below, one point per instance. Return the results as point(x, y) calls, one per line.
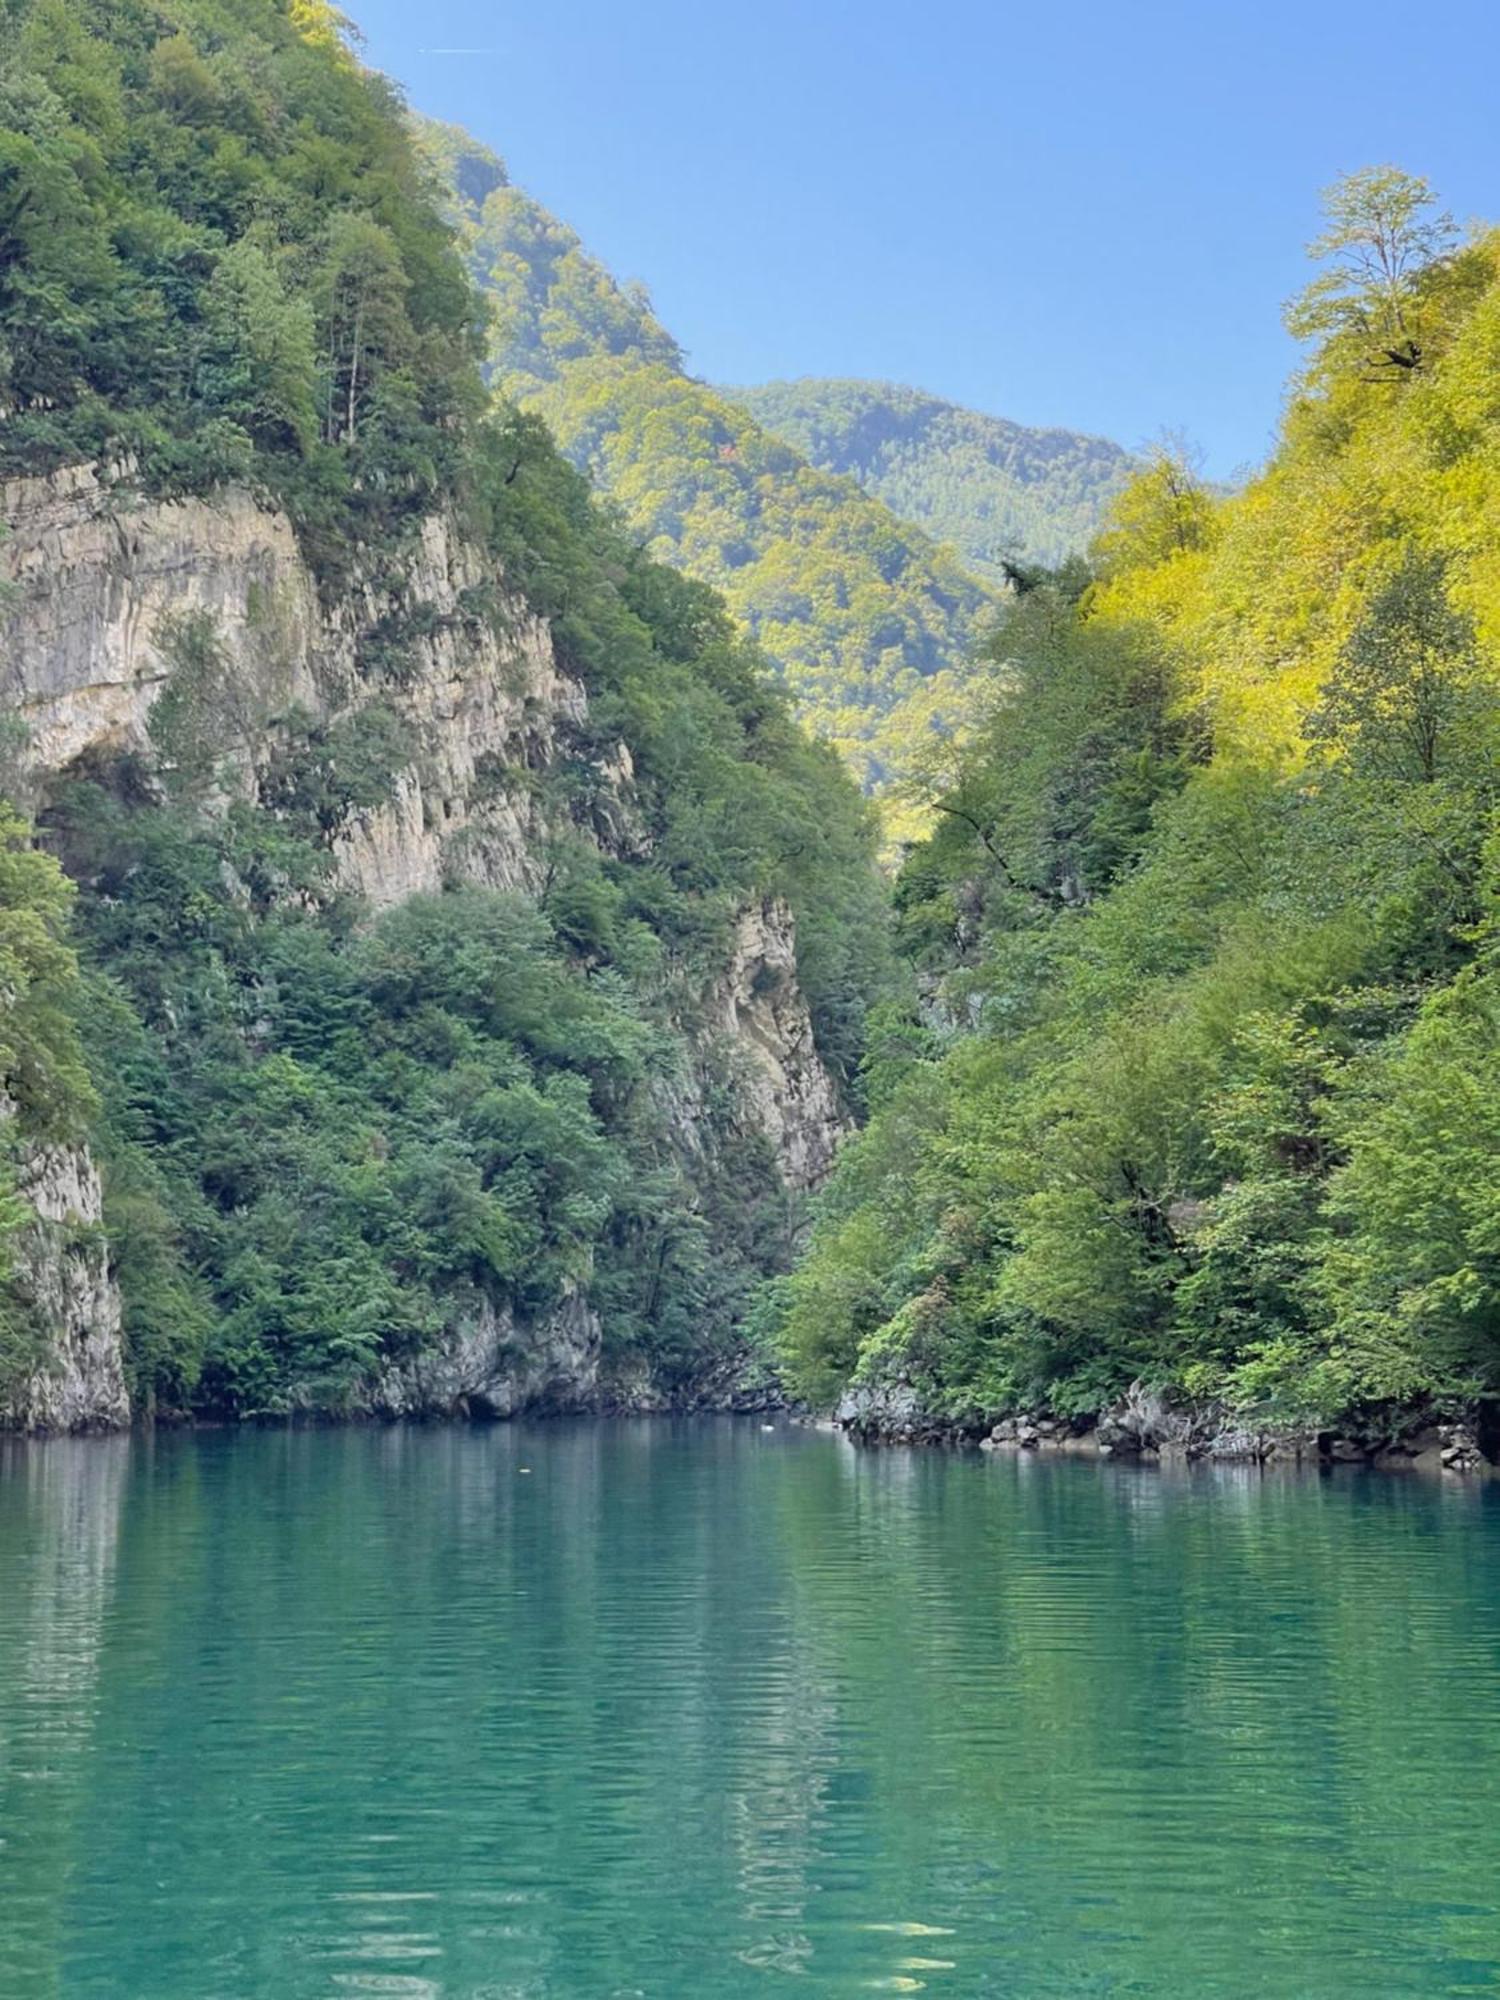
point(685, 1710)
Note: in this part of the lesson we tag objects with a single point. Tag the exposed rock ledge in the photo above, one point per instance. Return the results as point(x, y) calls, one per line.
point(552, 1365)
point(98, 579)
point(1155, 1426)
point(758, 1006)
point(102, 582)
point(495, 1367)
point(63, 1277)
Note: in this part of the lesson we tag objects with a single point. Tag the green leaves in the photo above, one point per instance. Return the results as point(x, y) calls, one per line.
point(41, 1070)
point(1212, 1096)
point(325, 1147)
point(259, 363)
point(1417, 1263)
point(1380, 243)
point(219, 246)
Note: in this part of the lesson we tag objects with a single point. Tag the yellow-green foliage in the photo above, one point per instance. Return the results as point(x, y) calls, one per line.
point(1210, 911)
point(1257, 602)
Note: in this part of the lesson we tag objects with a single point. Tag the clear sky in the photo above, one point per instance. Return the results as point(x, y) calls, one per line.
point(1083, 214)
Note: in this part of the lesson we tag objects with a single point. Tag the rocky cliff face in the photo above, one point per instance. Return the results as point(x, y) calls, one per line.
point(76, 1381)
point(154, 630)
point(117, 602)
point(496, 1367)
point(759, 1009)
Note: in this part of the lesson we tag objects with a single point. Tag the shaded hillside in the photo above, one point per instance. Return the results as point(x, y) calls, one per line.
point(991, 488)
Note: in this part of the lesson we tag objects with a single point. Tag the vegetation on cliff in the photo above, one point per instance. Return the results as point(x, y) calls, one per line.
point(328, 1142)
point(1203, 1089)
point(46, 1097)
point(1200, 1084)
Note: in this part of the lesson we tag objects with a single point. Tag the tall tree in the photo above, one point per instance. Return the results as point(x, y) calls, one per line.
point(1382, 236)
point(1409, 684)
point(360, 296)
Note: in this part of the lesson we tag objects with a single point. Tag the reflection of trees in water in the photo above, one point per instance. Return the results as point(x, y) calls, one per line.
point(386, 1706)
point(59, 1536)
point(1117, 1696)
point(643, 1708)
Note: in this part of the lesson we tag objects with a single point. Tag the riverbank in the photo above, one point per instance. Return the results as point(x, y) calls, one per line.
point(1144, 1427)
point(752, 1399)
point(1461, 1437)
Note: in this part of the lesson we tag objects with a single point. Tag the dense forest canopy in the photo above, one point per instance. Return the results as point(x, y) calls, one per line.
point(998, 492)
point(1203, 1085)
point(326, 1141)
point(869, 621)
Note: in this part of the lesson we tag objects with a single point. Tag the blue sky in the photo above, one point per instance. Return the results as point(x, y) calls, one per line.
point(1080, 214)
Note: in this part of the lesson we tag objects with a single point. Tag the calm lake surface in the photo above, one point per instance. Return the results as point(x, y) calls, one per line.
point(695, 1709)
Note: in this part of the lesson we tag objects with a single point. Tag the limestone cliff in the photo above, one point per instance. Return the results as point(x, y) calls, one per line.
point(758, 1008)
point(496, 1367)
point(118, 602)
point(151, 633)
point(75, 1380)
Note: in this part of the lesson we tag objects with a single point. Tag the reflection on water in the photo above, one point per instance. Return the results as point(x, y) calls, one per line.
point(697, 1710)
point(59, 1520)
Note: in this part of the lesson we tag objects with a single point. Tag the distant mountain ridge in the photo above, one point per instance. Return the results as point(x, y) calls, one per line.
point(872, 619)
point(871, 623)
point(990, 487)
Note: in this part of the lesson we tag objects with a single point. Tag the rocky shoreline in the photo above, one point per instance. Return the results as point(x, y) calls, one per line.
point(1149, 1425)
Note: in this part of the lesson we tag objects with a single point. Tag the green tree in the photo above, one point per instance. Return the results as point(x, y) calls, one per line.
point(41, 1071)
point(259, 363)
point(359, 291)
point(1412, 1279)
point(1409, 693)
point(1165, 511)
point(1382, 239)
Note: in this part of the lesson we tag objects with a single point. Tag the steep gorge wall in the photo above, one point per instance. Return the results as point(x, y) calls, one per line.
point(758, 1008)
point(151, 630)
point(106, 590)
point(75, 1379)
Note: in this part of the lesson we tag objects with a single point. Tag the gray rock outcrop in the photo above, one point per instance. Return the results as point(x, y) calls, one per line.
point(62, 1279)
point(153, 630)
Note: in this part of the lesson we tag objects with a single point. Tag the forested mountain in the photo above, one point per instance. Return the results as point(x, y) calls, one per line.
point(443, 940)
point(870, 622)
point(1206, 1086)
point(994, 490)
point(437, 966)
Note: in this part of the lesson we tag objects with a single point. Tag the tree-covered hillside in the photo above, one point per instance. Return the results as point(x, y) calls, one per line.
point(870, 622)
point(330, 1141)
point(996, 491)
point(1206, 1088)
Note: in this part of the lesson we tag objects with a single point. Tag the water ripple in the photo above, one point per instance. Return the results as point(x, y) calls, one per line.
point(696, 1710)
